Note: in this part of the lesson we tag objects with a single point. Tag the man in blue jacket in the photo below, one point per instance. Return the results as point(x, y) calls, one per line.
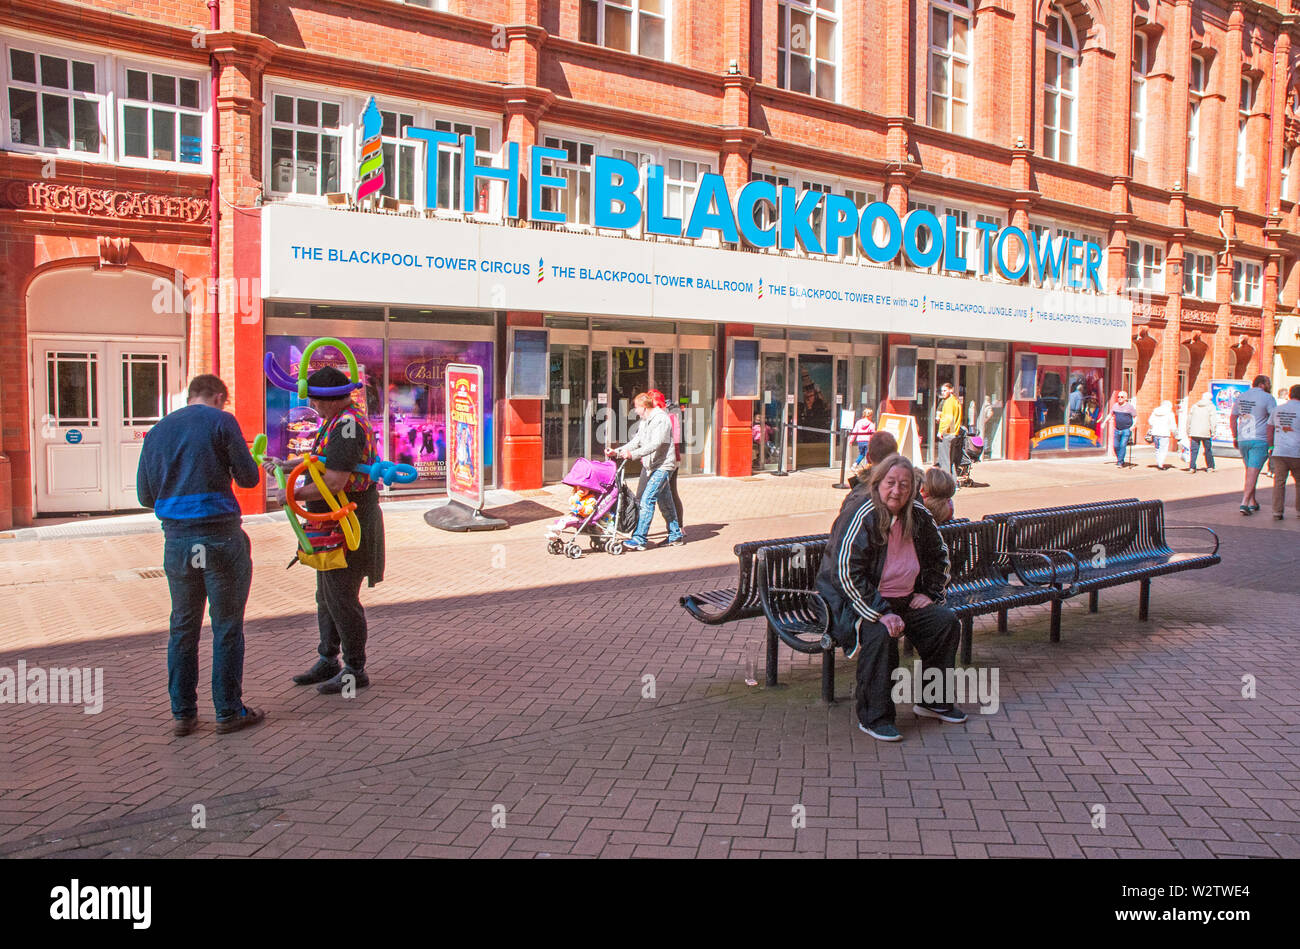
point(185, 469)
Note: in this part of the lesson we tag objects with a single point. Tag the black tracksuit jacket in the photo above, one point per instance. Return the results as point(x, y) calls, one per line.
point(849, 579)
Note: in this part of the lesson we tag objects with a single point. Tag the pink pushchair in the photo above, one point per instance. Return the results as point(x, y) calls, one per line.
point(607, 522)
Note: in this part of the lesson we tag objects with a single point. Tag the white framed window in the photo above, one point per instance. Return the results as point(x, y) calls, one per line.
point(451, 171)
point(976, 260)
point(808, 47)
point(1198, 275)
point(1196, 92)
point(574, 200)
point(924, 240)
point(161, 117)
point(1060, 88)
point(1146, 266)
point(683, 180)
point(818, 218)
point(765, 216)
point(1284, 189)
point(401, 155)
point(950, 65)
point(1246, 106)
point(634, 26)
point(861, 198)
point(1138, 105)
point(306, 144)
point(55, 101)
point(1247, 283)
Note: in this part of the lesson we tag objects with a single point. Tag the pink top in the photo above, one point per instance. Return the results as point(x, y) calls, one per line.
point(863, 431)
point(898, 576)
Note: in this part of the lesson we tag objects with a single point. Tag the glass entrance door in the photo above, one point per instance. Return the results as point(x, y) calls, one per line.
point(814, 402)
point(566, 417)
point(769, 414)
point(695, 402)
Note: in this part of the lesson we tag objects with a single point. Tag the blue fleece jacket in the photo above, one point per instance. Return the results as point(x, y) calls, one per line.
point(185, 469)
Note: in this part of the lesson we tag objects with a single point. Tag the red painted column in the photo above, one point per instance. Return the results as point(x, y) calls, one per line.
point(521, 428)
point(243, 372)
point(1020, 416)
point(735, 416)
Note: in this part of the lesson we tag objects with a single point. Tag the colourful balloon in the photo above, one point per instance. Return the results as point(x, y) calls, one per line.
point(259, 455)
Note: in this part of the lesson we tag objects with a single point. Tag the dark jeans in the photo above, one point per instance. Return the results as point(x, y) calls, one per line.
point(1196, 448)
point(339, 615)
point(216, 569)
point(934, 631)
point(1122, 438)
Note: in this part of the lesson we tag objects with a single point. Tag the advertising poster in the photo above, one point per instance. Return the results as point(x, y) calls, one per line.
point(417, 423)
point(465, 431)
point(291, 423)
point(1223, 396)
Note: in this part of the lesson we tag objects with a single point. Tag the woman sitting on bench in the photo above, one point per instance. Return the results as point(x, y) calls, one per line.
point(883, 574)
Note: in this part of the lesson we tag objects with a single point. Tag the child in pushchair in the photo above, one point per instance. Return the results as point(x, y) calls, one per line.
point(602, 507)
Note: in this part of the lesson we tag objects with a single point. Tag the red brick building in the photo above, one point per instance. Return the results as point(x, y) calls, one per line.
point(171, 171)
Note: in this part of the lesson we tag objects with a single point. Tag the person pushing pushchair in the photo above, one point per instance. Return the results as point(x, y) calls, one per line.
point(653, 446)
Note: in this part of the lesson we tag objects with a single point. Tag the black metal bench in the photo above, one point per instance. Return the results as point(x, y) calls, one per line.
point(980, 574)
point(741, 601)
point(1111, 544)
point(1000, 520)
point(978, 584)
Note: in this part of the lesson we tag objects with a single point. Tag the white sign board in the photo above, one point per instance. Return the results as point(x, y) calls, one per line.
point(344, 256)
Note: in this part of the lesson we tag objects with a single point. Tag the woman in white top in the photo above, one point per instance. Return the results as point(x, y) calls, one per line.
point(1162, 424)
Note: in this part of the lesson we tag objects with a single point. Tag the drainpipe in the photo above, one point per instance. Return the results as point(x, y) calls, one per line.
point(214, 201)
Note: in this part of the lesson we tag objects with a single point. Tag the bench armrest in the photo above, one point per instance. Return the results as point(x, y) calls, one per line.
point(1051, 557)
point(1195, 527)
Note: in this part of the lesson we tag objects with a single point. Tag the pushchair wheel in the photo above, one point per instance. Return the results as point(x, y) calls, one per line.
point(555, 546)
point(573, 551)
point(614, 547)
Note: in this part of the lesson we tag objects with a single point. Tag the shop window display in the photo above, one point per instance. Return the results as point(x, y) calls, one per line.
point(408, 417)
point(1068, 411)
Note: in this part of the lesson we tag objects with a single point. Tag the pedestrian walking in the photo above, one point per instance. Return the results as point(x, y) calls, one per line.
point(1122, 413)
point(675, 417)
point(949, 417)
point(186, 464)
point(1284, 432)
point(863, 429)
point(884, 574)
point(1162, 425)
point(343, 441)
point(653, 445)
point(1200, 431)
point(1250, 415)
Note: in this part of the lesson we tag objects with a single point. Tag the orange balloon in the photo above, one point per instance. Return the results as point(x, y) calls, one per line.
point(292, 501)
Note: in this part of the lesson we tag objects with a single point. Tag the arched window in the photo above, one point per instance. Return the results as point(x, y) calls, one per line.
point(950, 65)
point(1060, 88)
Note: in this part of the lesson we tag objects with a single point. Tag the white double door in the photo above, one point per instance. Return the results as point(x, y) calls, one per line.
point(93, 402)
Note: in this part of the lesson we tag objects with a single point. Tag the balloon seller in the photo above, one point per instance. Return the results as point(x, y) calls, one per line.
point(343, 441)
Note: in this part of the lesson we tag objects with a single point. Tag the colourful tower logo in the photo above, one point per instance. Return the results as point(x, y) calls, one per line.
point(372, 152)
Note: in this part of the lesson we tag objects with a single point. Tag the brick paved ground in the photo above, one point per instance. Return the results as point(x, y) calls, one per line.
point(507, 677)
